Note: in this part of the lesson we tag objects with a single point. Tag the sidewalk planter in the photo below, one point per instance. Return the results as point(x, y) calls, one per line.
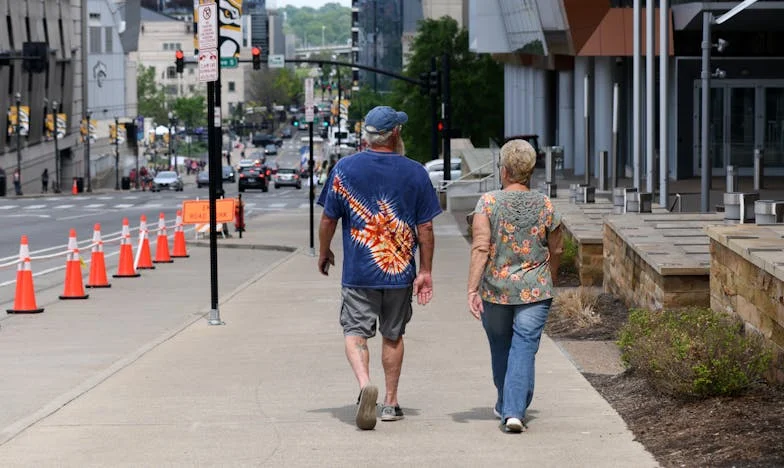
point(747, 279)
point(658, 261)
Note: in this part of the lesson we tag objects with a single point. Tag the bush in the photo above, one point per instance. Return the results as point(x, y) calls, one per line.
point(568, 257)
point(693, 352)
point(575, 308)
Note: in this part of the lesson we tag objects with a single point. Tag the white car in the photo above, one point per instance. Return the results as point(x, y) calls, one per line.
point(167, 180)
point(435, 170)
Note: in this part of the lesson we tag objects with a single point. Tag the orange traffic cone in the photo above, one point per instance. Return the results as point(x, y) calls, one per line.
point(125, 268)
point(74, 188)
point(24, 301)
point(97, 277)
point(179, 239)
point(74, 288)
point(143, 256)
point(162, 249)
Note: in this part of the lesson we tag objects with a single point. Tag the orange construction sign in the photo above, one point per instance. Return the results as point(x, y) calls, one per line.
point(198, 211)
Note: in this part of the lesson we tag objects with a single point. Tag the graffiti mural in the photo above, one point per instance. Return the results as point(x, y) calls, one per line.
point(230, 25)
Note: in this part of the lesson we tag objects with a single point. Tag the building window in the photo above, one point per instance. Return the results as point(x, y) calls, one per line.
point(191, 88)
point(179, 46)
point(109, 39)
point(171, 72)
point(232, 87)
point(95, 40)
point(165, 46)
point(171, 90)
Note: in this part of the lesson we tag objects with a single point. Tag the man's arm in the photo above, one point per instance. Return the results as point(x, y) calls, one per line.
point(423, 284)
point(327, 228)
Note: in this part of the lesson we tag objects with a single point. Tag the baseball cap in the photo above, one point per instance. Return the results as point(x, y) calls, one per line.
point(383, 119)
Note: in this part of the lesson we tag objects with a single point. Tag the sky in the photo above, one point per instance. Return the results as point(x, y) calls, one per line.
point(310, 3)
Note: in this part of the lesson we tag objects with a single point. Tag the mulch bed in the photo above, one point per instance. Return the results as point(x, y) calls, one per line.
point(744, 431)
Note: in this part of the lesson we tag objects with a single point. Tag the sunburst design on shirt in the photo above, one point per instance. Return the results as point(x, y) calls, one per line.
point(388, 238)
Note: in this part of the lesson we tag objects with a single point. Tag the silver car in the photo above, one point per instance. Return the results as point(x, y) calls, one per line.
point(167, 180)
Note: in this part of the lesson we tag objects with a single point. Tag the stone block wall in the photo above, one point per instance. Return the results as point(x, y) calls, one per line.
point(628, 276)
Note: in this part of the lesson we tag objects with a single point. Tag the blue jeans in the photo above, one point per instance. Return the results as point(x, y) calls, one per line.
point(514, 332)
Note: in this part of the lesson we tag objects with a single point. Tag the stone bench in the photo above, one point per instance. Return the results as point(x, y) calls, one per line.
point(747, 279)
point(659, 260)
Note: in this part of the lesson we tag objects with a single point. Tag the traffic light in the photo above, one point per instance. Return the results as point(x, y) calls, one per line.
point(179, 61)
point(326, 123)
point(424, 83)
point(256, 52)
point(435, 83)
point(296, 123)
point(440, 126)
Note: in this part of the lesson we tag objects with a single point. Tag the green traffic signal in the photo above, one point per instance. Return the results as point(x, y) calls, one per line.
point(326, 124)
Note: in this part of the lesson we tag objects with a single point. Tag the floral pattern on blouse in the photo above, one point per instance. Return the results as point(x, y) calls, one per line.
point(518, 265)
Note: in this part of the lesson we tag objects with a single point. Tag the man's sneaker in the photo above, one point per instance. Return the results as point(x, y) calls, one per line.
point(366, 407)
point(391, 413)
point(514, 425)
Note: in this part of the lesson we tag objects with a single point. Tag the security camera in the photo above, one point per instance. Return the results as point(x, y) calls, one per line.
point(721, 45)
point(719, 73)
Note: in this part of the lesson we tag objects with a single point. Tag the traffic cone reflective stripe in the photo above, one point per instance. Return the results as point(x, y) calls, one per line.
point(24, 300)
point(143, 256)
point(125, 267)
point(162, 248)
point(180, 250)
point(74, 288)
point(97, 277)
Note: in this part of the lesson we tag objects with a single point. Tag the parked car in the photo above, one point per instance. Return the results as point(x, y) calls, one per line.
point(253, 177)
point(166, 180)
point(435, 170)
point(203, 178)
point(534, 141)
point(271, 149)
point(289, 177)
point(228, 174)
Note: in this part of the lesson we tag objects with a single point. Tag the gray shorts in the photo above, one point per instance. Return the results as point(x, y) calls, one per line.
point(361, 308)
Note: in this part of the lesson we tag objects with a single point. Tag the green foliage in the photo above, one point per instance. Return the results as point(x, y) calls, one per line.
point(568, 256)
point(364, 100)
point(279, 86)
point(150, 96)
point(191, 111)
point(477, 84)
point(306, 23)
point(693, 352)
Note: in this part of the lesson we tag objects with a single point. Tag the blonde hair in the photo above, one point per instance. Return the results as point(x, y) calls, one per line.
point(518, 157)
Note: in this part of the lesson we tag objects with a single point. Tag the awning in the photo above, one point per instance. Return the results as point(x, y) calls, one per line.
point(614, 37)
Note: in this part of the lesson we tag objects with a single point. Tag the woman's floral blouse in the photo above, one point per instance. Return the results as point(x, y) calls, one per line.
point(518, 267)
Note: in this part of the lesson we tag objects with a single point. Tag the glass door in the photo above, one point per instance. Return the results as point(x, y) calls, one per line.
point(774, 127)
point(740, 132)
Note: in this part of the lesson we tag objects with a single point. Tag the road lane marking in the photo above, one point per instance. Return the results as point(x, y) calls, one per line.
point(34, 207)
point(123, 205)
point(95, 205)
point(277, 205)
point(305, 205)
point(8, 207)
point(62, 207)
point(132, 197)
point(86, 215)
point(151, 205)
point(27, 216)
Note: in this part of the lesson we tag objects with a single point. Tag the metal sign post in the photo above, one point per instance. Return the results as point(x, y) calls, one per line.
point(309, 117)
point(209, 71)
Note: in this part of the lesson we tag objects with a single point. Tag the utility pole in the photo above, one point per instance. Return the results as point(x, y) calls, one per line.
point(56, 188)
point(19, 139)
point(116, 154)
point(434, 113)
point(340, 99)
point(447, 116)
point(87, 149)
point(85, 108)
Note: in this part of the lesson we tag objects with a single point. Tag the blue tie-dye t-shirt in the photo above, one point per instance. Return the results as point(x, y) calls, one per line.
point(380, 198)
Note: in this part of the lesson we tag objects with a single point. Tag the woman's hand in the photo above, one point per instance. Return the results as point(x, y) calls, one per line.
point(475, 305)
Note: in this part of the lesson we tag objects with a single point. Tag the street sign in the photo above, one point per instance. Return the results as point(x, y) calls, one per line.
point(276, 61)
point(208, 26)
point(208, 65)
point(229, 62)
point(198, 211)
point(309, 100)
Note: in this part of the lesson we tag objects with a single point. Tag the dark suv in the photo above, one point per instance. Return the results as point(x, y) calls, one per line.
point(253, 177)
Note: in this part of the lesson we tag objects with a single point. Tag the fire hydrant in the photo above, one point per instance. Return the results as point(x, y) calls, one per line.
point(239, 216)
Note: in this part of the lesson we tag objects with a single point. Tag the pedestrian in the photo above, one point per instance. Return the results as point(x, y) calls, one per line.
point(515, 253)
point(45, 180)
point(386, 204)
point(17, 182)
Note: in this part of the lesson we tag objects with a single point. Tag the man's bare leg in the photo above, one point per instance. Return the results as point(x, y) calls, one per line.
point(359, 357)
point(392, 359)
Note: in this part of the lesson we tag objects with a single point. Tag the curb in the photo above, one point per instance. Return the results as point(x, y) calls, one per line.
point(279, 248)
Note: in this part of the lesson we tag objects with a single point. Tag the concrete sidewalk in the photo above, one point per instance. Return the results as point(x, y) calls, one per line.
point(272, 387)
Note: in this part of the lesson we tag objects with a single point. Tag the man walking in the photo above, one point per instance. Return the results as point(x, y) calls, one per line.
point(386, 203)
point(17, 182)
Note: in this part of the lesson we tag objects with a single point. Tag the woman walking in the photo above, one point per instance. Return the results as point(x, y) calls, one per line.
point(515, 254)
point(45, 181)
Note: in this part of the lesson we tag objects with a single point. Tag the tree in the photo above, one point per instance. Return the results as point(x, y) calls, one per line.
point(151, 98)
point(477, 84)
point(191, 111)
point(308, 24)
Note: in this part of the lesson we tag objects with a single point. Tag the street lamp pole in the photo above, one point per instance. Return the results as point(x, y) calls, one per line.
point(116, 154)
point(19, 139)
point(87, 151)
point(171, 140)
point(56, 187)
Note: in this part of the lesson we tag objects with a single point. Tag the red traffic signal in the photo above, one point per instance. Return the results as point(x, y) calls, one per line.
point(256, 53)
point(179, 61)
point(440, 126)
